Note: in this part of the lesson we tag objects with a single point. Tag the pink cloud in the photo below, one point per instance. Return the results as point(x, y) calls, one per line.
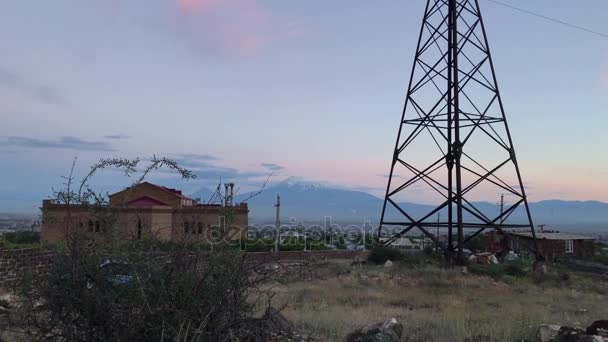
point(225, 28)
point(190, 5)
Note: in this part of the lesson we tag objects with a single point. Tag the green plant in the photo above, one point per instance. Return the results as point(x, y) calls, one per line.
point(22, 237)
point(259, 245)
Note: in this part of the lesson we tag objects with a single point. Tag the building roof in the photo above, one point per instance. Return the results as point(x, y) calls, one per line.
point(401, 242)
point(175, 192)
point(552, 236)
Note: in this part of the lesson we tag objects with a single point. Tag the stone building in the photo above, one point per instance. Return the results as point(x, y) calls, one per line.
point(553, 246)
point(144, 210)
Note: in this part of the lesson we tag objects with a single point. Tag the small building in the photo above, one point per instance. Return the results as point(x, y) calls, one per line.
point(553, 245)
point(401, 243)
point(143, 210)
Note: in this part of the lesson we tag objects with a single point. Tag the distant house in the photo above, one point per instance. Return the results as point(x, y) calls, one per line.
point(553, 246)
point(402, 243)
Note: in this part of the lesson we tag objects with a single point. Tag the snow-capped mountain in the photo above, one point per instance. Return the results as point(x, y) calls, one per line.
point(310, 201)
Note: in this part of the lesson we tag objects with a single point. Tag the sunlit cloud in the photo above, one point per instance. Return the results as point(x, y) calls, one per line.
point(273, 166)
point(226, 28)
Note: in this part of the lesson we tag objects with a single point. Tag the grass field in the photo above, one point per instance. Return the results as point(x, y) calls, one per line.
point(434, 304)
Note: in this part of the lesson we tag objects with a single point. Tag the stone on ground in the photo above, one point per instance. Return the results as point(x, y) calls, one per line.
point(388, 331)
point(547, 333)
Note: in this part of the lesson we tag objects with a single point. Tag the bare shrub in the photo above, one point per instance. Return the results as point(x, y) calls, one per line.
point(136, 290)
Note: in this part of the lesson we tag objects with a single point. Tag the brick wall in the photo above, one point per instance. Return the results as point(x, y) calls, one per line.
point(16, 262)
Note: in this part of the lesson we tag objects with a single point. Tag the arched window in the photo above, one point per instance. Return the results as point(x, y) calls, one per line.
point(186, 227)
point(139, 229)
point(97, 226)
point(90, 225)
point(200, 227)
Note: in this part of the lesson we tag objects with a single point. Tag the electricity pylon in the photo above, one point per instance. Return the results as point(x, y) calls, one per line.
point(454, 143)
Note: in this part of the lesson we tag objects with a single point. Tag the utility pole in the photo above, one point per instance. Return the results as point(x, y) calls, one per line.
point(502, 208)
point(437, 235)
point(542, 227)
point(277, 236)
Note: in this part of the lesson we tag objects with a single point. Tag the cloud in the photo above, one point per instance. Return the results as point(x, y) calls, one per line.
point(226, 174)
point(203, 166)
point(119, 136)
point(224, 28)
point(199, 157)
point(65, 142)
point(273, 167)
point(387, 176)
point(194, 161)
point(43, 93)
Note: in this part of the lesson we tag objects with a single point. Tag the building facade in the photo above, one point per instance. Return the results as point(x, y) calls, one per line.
point(145, 211)
point(553, 246)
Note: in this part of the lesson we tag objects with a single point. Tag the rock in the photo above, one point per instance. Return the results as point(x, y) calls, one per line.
point(9, 301)
point(539, 268)
point(594, 328)
point(388, 264)
point(589, 338)
point(511, 256)
point(567, 334)
point(388, 331)
point(278, 322)
point(548, 332)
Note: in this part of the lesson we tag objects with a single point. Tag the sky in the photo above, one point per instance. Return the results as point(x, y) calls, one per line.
point(240, 89)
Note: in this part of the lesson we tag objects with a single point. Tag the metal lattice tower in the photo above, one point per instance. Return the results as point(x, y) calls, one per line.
point(453, 140)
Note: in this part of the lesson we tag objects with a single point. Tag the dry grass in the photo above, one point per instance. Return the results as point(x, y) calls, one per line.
point(436, 304)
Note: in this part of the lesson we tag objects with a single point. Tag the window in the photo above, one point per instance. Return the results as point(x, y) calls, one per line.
point(569, 246)
point(138, 229)
point(97, 227)
point(186, 227)
point(90, 225)
point(200, 227)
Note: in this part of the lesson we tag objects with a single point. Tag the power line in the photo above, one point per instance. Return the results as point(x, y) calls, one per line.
point(577, 27)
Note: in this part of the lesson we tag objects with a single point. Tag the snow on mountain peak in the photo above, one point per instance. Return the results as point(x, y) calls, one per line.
point(298, 183)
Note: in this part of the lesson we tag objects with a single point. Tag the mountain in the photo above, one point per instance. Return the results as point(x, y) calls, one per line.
point(313, 201)
point(302, 199)
point(203, 194)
